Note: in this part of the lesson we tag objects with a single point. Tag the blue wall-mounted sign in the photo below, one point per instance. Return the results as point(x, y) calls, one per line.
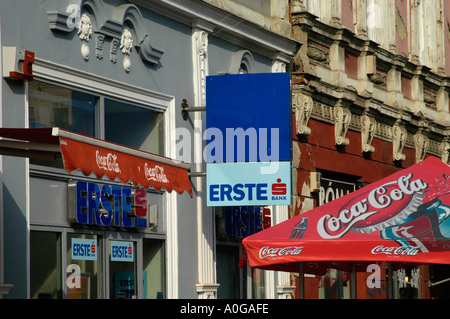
point(248, 133)
point(107, 205)
point(122, 251)
point(84, 249)
point(254, 107)
point(243, 184)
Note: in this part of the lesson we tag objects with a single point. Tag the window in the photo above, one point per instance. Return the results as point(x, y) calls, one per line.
point(54, 106)
point(84, 258)
point(45, 266)
point(228, 272)
point(133, 125)
point(122, 267)
point(153, 264)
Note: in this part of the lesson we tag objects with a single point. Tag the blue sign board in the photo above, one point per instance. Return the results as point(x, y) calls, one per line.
point(124, 284)
point(248, 133)
point(122, 251)
point(243, 184)
point(107, 205)
point(84, 249)
point(250, 108)
point(242, 221)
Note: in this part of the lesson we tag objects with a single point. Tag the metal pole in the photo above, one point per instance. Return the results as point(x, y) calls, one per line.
point(390, 280)
point(301, 281)
point(353, 281)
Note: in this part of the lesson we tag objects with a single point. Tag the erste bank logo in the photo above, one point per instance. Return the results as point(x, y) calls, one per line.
point(242, 184)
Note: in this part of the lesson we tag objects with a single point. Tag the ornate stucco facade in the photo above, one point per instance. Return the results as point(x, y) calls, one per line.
point(370, 90)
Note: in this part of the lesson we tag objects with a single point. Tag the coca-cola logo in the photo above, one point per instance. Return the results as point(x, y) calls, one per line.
point(155, 173)
point(387, 195)
point(107, 162)
point(395, 251)
point(267, 251)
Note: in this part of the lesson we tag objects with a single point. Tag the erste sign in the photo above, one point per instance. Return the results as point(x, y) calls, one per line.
point(242, 184)
point(122, 251)
point(107, 205)
point(84, 249)
point(248, 120)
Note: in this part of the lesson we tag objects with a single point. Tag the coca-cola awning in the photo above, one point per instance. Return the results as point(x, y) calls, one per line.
point(403, 218)
point(91, 155)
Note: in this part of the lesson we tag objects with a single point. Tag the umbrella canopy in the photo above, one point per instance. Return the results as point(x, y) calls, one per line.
point(402, 218)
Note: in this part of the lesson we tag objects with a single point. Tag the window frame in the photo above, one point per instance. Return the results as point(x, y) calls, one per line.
point(105, 88)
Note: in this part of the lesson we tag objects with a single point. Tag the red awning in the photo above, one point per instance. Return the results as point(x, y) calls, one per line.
point(403, 218)
point(91, 155)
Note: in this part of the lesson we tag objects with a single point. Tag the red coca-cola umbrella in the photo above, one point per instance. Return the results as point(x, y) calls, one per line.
point(403, 218)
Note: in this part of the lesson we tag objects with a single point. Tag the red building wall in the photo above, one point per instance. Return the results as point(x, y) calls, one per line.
point(318, 151)
point(347, 14)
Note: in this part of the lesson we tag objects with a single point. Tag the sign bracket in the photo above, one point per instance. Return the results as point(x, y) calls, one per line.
point(197, 174)
point(185, 109)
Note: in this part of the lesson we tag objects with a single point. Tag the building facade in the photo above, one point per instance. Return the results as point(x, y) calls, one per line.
point(371, 96)
point(130, 73)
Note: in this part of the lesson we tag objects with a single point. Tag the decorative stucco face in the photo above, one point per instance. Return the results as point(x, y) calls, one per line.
point(84, 33)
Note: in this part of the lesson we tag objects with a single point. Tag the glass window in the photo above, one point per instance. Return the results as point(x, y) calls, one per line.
point(122, 123)
point(407, 284)
point(133, 126)
point(334, 285)
point(122, 256)
point(45, 268)
point(153, 264)
point(83, 261)
point(55, 106)
point(254, 283)
point(228, 271)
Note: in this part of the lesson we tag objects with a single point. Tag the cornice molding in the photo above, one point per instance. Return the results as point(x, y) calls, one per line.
point(325, 34)
point(226, 26)
point(111, 27)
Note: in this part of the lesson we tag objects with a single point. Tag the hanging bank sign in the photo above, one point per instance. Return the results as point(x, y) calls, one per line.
point(248, 148)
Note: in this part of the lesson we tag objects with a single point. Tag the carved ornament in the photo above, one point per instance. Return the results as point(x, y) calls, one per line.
point(342, 117)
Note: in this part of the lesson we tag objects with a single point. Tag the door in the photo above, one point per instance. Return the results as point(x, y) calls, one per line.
point(122, 269)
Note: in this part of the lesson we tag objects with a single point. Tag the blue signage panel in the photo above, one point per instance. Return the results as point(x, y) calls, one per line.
point(248, 139)
point(242, 221)
point(238, 184)
point(107, 205)
point(122, 251)
point(248, 117)
point(124, 284)
point(84, 249)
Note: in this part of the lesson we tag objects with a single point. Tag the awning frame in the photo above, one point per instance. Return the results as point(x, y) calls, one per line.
point(47, 144)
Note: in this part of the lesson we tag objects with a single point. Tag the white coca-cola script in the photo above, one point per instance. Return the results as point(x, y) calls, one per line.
point(331, 227)
point(395, 251)
point(107, 162)
point(267, 251)
point(155, 173)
